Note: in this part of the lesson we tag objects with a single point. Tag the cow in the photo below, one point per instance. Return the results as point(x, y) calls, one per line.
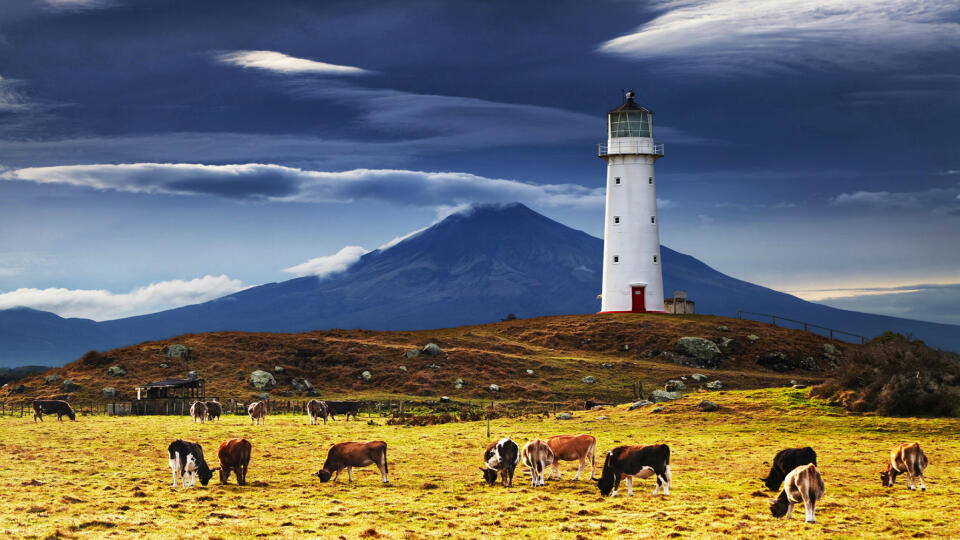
point(213, 410)
point(803, 484)
point(573, 448)
point(346, 408)
point(641, 461)
point(536, 455)
point(500, 456)
point(258, 412)
point(347, 455)
point(234, 456)
point(198, 411)
point(187, 463)
point(52, 406)
point(785, 461)
point(906, 458)
point(317, 409)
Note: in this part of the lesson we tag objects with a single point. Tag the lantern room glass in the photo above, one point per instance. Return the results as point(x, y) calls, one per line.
point(629, 124)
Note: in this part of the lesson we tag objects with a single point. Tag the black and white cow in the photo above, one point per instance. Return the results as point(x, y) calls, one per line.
point(187, 463)
point(641, 461)
point(785, 461)
point(500, 456)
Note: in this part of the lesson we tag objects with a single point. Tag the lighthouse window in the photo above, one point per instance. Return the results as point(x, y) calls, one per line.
point(654, 258)
point(651, 180)
point(629, 124)
point(616, 180)
point(616, 219)
point(653, 219)
point(616, 259)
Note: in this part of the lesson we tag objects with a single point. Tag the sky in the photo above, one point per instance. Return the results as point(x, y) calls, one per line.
point(159, 153)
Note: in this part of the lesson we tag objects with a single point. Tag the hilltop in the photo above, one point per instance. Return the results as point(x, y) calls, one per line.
point(616, 350)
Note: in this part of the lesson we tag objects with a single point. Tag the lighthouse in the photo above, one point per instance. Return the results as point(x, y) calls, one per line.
point(632, 276)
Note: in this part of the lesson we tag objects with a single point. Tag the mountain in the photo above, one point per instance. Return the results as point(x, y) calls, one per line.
point(472, 267)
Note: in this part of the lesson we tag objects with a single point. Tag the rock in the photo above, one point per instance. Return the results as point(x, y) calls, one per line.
point(753, 338)
point(723, 329)
point(707, 406)
point(412, 353)
point(588, 379)
point(444, 399)
point(312, 392)
point(638, 404)
point(698, 377)
point(606, 366)
point(432, 349)
point(727, 343)
point(564, 416)
point(278, 369)
point(714, 385)
point(674, 385)
point(626, 347)
point(662, 395)
point(262, 380)
point(494, 388)
point(798, 386)
point(808, 363)
point(433, 366)
point(193, 375)
point(109, 392)
point(793, 381)
point(300, 384)
point(264, 395)
point(51, 378)
point(776, 361)
point(366, 375)
point(458, 384)
point(602, 417)
point(69, 386)
point(177, 351)
point(656, 409)
point(116, 371)
point(164, 366)
point(529, 372)
point(403, 368)
point(829, 349)
point(19, 389)
point(697, 347)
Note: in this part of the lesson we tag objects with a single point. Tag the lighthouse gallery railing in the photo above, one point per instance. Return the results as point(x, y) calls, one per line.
point(630, 147)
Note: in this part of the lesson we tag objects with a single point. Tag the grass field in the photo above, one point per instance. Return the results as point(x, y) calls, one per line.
point(108, 477)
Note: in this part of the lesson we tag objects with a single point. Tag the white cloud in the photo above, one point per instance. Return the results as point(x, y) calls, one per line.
point(330, 264)
point(705, 218)
point(77, 5)
point(765, 36)
point(282, 63)
point(101, 304)
point(10, 99)
point(934, 199)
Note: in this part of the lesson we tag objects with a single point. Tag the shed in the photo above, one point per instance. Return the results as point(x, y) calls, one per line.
point(173, 388)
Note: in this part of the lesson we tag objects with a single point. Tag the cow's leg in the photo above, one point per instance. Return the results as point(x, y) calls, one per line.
point(556, 470)
point(583, 464)
point(923, 486)
point(350, 474)
point(382, 465)
point(616, 484)
point(337, 475)
point(789, 511)
point(666, 480)
point(175, 466)
point(811, 507)
point(630, 486)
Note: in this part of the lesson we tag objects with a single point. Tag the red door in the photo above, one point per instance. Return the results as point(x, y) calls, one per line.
point(639, 306)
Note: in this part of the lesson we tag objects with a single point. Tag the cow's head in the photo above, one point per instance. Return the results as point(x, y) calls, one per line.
point(607, 478)
point(778, 507)
point(489, 475)
point(323, 475)
point(224, 473)
point(887, 477)
point(203, 472)
point(71, 414)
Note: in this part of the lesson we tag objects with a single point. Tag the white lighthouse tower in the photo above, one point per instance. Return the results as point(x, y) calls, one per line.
point(632, 279)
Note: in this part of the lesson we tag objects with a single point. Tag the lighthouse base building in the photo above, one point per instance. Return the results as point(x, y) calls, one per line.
point(632, 275)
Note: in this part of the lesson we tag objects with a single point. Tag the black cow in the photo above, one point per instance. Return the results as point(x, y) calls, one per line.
point(641, 461)
point(785, 461)
point(187, 463)
point(52, 406)
point(214, 409)
point(346, 408)
point(500, 456)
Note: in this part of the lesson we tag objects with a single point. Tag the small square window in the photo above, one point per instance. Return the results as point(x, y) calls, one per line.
point(616, 219)
point(651, 180)
point(616, 258)
point(616, 180)
point(654, 258)
point(653, 219)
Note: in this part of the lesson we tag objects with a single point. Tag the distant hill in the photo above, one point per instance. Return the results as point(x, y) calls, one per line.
point(470, 268)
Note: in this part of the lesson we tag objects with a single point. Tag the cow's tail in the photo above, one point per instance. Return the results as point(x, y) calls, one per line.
point(666, 457)
point(383, 458)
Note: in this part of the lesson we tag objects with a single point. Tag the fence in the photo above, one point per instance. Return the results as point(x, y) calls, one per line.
point(807, 327)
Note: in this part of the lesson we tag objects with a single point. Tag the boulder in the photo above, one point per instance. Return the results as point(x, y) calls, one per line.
point(638, 404)
point(262, 380)
point(177, 351)
point(728, 344)
point(707, 406)
point(312, 392)
point(433, 366)
point(19, 389)
point(278, 369)
point(830, 350)
point(529, 372)
point(116, 371)
point(714, 385)
point(698, 377)
point(193, 375)
point(588, 379)
point(109, 392)
point(300, 384)
point(264, 395)
point(366, 375)
point(411, 353)
point(602, 417)
point(69, 386)
point(753, 338)
point(697, 347)
point(494, 388)
point(403, 368)
point(51, 378)
point(656, 409)
point(564, 416)
point(662, 395)
point(723, 329)
point(164, 365)
point(444, 399)
point(798, 386)
point(458, 384)
point(674, 385)
point(776, 361)
point(432, 349)
point(807, 363)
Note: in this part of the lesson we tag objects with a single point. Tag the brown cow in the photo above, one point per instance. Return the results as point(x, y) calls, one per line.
point(803, 484)
point(536, 455)
point(347, 455)
point(317, 409)
point(258, 412)
point(198, 411)
point(573, 448)
point(906, 458)
point(234, 456)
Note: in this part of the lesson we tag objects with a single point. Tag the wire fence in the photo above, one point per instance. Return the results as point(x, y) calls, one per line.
point(806, 327)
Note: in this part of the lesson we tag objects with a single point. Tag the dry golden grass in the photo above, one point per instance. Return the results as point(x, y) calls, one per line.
point(108, 477)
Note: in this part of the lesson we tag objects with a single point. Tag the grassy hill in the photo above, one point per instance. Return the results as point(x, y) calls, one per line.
point(615, 350)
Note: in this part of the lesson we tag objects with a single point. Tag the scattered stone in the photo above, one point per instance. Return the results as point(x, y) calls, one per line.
point(51, 378)
point(433, 366)
point(638, 404)
point(116, 371)
point(662, 395)
point(300, 384)
point(529, 372)
point(656, 409)
point(698, 377)
point(366, 375)
point(432, 349)
point(798, 386)
point(564, 416)
point(829, 349)
point(278, 369)
point(674, 385)
point(793, 381)
point(697, 347)
point(776, 361)
point(494, 388)
point(412, 353)
point(626, 347)
point(262, 380)
point(808, 363)
point(723, 329)
point(714, 385)
point(727, 343)
point(606, 366)
point(588, 379)
point(264, 395)
point(458, 384)
point(19, 389)
point(403, 368)
point(312, 392)
point(444, 399)
point(193, 375)
point(109, 392)
point(177, 351)
point(164, 365)
point(753, 338)
point(707, 406)
point(69, 386)
point(602, 417)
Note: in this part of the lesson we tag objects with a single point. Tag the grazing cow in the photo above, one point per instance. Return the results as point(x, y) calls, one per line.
point(258, 412)
point(187, 463)
point(52, 406)
point(346, 408)
point(500, 456)
point(803, 484)
point(198, 411)
point(347, 455)
point(317, 409)
point(906, 458)
point(573, 448)
point(536, 455)
point(234, 456)
point(213, 410)
point(641, 461)
point(785, 461)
